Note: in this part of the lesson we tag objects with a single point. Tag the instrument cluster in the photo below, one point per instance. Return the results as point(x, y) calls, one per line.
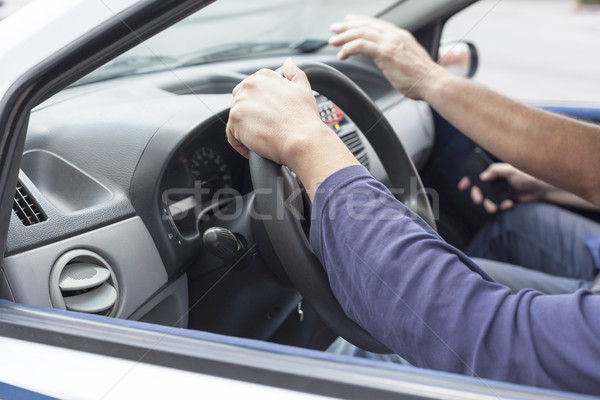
point(204, 173)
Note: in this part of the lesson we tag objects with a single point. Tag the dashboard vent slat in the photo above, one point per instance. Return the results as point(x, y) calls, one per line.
point(355, 145)
point(344, 128)
point(28, 211)
point(363, 159)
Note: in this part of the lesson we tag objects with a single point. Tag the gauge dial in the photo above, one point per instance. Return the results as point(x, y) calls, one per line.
point(210, 172)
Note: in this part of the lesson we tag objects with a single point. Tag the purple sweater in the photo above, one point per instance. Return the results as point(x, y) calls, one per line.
point(432, 305)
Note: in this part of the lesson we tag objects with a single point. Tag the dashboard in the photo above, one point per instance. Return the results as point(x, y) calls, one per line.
point(206, 172)
point(129, 173)
point(201, 174)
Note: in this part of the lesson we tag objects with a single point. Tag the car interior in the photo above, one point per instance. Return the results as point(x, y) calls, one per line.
point(121, 179)
point(131, 204)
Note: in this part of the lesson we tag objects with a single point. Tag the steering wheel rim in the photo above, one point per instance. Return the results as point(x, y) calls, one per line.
point(273, 184)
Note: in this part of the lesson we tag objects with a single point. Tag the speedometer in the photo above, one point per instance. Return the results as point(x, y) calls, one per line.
point(211, 172)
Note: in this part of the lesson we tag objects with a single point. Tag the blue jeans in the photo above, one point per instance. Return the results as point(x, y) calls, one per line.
point(538, 246)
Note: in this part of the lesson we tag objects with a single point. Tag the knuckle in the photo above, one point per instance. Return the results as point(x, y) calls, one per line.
point(360, 43)
point(237, 88)
point(263, 72)
point(360, 32)
point(234, 115)
point(347, 48)
point(248, 83)
point(387, 49)
point(233, 142)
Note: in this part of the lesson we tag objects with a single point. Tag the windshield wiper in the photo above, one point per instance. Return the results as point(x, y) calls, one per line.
point(246, 49)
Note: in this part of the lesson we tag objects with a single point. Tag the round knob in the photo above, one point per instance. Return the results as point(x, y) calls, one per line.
point(224, 244)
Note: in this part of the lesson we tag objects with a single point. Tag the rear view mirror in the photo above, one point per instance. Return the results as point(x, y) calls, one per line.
point(460, 58)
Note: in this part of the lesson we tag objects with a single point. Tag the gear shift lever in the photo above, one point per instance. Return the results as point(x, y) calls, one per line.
point(224, 244)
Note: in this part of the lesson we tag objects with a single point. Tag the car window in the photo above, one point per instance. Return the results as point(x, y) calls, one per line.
point(534, 50)
point(233, 29)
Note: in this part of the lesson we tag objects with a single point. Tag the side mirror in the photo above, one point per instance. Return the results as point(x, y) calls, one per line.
point(460, 58)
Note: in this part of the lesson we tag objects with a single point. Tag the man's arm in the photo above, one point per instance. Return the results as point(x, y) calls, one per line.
point(395, 276)
point(432, 305)
point(559, 150)
point(562, 197)
point(556, 149)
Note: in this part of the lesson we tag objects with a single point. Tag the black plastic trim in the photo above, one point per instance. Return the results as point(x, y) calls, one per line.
point(145, 189)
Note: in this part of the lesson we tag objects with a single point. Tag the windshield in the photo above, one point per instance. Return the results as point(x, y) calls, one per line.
point(229, 29)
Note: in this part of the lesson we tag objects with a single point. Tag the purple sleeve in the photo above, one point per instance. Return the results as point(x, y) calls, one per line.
point(432, 305)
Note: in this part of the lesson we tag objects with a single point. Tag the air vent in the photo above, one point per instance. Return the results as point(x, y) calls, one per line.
point(83, 281)
point(354, 143)
point(334, 117)
point(26, 208)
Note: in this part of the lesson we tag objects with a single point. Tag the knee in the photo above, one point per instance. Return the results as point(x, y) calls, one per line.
point(524, 214)
point(522, 217)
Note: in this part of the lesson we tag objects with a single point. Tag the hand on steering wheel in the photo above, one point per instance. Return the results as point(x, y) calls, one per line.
point(288, 132)
point(277, 118)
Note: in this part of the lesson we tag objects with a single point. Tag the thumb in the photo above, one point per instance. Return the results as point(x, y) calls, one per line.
point(495, 171)
point(295, 74)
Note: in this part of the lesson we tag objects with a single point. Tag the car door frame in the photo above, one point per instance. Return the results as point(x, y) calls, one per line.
point(72, 55)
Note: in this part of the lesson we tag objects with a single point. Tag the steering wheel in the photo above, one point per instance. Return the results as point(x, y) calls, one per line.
point(274, 184)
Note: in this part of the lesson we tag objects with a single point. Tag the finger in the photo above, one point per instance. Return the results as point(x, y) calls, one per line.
point(490, 206)
point(353, 34)
point(237, 89)
point(238, 146)
point(495, 171)
point(295, 74)
point(359, 46)
point(507, 204)
point(464, 183)
point(488, 174)
point(476, 195)
point(234, 142)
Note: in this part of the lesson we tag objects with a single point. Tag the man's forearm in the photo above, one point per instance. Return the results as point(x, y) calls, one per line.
point(314, 161)
point(428, 302)
point(562, 197)
point(556, 149)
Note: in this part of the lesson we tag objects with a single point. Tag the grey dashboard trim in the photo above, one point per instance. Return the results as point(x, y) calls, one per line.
point(126, 245)
point(67, 187)
point(140, 122)
point(196, 113)
point(169, 307)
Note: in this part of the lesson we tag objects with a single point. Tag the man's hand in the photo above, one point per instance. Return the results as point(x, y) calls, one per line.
point(527, 188)
point(403, 61)
point(277, 118)
point(274, 116)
